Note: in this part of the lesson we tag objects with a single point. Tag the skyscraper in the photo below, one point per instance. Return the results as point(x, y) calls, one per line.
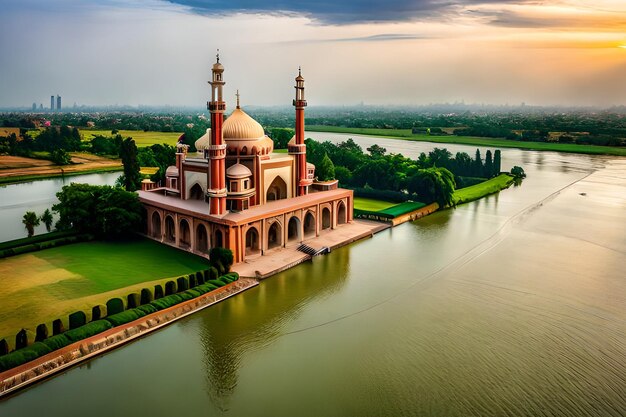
point(58, 102)
point(34, 106)
point(51, 103)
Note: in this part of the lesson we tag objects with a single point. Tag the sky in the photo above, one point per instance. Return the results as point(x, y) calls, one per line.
point(389, 52)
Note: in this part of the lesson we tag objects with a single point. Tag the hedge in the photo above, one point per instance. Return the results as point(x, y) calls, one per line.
point(125, 317)
point(170, 288)
point(133, 300)
point(87, 330)
point(167, 301)
point(57, 342)
point(213, 274)
point(41, 332)
point(114, 306)
point(182, 284)
point(77, 319)
point(57, 327)
point(4, 347)
point(24, 355)
point(146, 296)
point(20, 246)
point(158, 292)
point(148, 309)
point(192, 281)
point(199, 278)
point(98, 312)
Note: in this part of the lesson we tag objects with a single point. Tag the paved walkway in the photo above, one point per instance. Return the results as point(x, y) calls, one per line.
point(278, 260)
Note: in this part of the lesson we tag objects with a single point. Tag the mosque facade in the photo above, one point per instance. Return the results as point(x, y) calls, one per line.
point(237, 193)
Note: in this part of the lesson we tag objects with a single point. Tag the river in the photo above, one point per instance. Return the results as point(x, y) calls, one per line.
point(513, 305)
point(17, 199)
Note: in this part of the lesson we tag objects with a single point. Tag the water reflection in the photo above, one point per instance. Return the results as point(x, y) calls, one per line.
point(255, 319)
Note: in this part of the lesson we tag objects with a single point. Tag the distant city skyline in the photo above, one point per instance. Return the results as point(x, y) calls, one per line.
point(152, 52)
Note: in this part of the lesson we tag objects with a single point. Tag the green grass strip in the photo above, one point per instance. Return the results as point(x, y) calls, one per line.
point(465, 195)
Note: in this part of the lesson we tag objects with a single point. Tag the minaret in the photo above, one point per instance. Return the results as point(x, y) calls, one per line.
point(299, 148)
point(216, 151)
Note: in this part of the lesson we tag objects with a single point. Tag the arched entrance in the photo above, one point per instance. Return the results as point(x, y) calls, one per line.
point(252, 242)
point(202, 239)
point(277, 190)
point(156, 225)
point(185, 234)
point(293, 230)
point(274, 236)
point(219, 239)
point(196, 193)
point(309, 225)
point(341, 213)
point(325, 218)
point(170, 229)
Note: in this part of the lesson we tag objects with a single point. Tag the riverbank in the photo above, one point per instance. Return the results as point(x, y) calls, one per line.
point(59, 360)
point(15, 169)
point(475, 192)
point(406, 134)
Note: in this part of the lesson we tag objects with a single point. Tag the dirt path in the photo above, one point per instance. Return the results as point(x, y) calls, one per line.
point(16, 166)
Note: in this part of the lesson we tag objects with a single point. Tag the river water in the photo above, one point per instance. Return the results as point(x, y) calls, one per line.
point(513, 305)
point(37, 196)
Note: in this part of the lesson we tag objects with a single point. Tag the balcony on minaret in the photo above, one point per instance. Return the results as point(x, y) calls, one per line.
point(216, 106)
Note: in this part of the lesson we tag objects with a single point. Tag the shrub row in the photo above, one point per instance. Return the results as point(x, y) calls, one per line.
point(116, 315)
point(36, 239)
point(32, 247)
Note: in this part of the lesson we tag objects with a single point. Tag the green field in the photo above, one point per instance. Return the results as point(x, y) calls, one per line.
point(465, 195)
point(369, 204)
point(405, 134)
point(39, 287)
point(141, 138)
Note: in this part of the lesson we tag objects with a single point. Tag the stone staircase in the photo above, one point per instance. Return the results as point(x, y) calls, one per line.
point(312, 251)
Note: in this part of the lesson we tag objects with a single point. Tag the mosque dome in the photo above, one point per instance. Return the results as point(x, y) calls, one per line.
point(240, 126)
point(204, 141)
point(238, 171)
point(244, 135)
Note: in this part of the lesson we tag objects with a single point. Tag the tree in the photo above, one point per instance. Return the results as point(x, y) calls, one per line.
point(221, 256)
point(518, 172)
point(326, 169)
point(128, 153)
point(376, 151)
point(47, 219)
point(105, 211)
point(477, 165)
point(433, 185)
point(60, 157)
point(30, 221)
point(497, 162)
point(488, 164)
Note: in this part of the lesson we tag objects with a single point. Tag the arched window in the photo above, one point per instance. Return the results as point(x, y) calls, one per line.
point(156, 225)
point(202, 239)
point(309, 225)
point(341, 213)
point(277, 190)
point(196, 192)
point(219, 239)
point(274, 236)
point(325, 218)
point(293, 229)
point(185, 234)
point(170, 229)
point(252, 241)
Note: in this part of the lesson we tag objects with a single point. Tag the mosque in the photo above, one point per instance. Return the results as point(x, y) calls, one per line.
point(235, 192)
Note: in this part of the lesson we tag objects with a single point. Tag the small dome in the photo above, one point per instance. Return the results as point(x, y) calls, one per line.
point(171, 171)
point(240, 126)
point(204, 141)
point(310, 165)
point(238, 171)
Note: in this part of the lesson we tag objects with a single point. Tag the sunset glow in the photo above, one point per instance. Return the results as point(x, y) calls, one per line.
point(556, 52)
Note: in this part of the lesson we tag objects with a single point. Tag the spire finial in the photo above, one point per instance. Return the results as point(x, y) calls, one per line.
point(299, 71)
point(237, 98)
point(218, 55)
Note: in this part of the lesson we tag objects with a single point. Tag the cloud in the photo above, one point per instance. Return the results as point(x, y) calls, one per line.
point(336, 12)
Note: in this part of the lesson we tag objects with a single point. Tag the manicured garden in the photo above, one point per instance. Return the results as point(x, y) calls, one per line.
point(140, 137)
point(41, 286)
point(370, 204)
point(406, 134)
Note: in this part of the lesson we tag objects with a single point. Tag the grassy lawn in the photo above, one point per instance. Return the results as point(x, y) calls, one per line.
point(403, 208)
point(405, 134)
point(42, 286)
point(370, 204)
point(477, 191)
point(141, 138)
